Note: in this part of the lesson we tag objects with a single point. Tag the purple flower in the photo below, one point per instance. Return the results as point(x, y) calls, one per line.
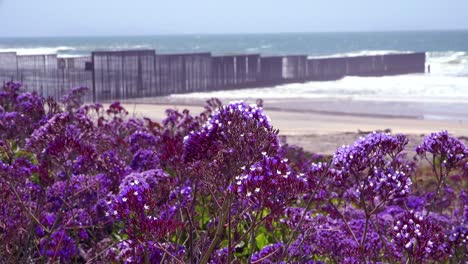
point(458, 238)
point(451, 151)
point(299, 160)
point(373, 169)
point(386, 185)
point(114, 167)
point(82, 191)
point(141, 140)
point(59, 247)
point(415, 203)
point(15, 126)
point(269, 254)
point(235, 136)
point(74, 99)
point(420, 238)
point(371, 152)
point(8, 96)
point(145, 159)
point(117, 110)
point(182, 195)
point(269, 183)
point(219, 256)
point(324, 235)
point(232, 122)
point(137, 205)
point(131, 251)
point(318, 177)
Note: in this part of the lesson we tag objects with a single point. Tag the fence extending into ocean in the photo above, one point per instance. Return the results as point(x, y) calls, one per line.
point(117, 75)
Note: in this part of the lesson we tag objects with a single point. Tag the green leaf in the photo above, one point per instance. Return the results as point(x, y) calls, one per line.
point(261, 240)
point(224, 243)
point(35, 178)
point(202, 215)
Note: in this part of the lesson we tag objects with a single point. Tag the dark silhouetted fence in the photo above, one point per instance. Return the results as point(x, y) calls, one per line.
point(114, 75)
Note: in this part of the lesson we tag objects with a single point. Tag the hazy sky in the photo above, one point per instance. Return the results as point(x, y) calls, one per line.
point(140, 17)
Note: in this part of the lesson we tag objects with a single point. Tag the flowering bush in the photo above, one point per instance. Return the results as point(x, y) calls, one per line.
point(81, 183)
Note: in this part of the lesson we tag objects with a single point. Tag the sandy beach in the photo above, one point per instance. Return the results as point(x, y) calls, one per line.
point(320, 132)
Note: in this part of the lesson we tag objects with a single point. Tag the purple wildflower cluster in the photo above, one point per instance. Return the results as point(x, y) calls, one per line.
point(75, 99)
point(236, 136)
point(235, 124)
point(419, 238)
point(20, 113)
point(139, 205)
point(449, 149)
point(339, 239)
point(372, 172)
point(87, 184)
point(269, 183)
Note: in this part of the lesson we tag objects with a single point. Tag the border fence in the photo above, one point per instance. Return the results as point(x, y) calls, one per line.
point(116, 75)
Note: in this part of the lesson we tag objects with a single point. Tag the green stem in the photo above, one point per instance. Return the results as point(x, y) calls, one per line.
point(229, 236)
point(252, 237)
point(440, 179)
point(346, 223)
point(384, 243)
point(219, 229)
point(364, 238)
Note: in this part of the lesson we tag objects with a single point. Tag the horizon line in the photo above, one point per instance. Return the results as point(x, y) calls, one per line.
point(234, 33)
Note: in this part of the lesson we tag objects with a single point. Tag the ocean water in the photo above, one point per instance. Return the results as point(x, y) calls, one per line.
point(442, 94)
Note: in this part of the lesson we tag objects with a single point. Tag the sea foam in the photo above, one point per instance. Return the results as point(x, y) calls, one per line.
point(447, 82)
point(38, 50)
